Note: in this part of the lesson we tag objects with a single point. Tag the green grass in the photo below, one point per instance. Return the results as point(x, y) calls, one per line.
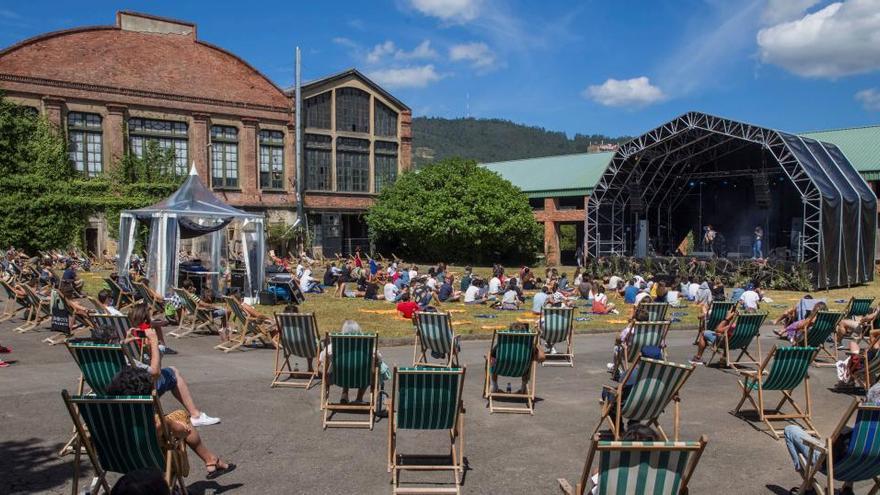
point(331, 312)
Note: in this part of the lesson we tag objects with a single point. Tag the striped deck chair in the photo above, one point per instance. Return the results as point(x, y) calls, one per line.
point(65, 331)
point(790, 367)
point(38, 310)
point(250, 329)
point(717, 311)
point(861, 462)
point(639, 468)
point(298, 334)
point(872, 370)
point(193, 319)
point(141, 292)
point(656, 310)
point(353, 365)
point(426, 399)
point(746, 330)
point(556, 329)
point(657, 383)
point(435, 336)
point(13, 303)
point(858, 306)
point(121, 298)
point(119, 435)
point(816, 335)
point(513, 352)
point(643, 334)
point(120, 325)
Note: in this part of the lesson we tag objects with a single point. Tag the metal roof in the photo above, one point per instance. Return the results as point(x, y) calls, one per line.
point(861, 145)
point(342, 75)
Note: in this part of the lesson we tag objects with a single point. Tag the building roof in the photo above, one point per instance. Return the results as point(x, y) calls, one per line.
point(861, 145)
point(352, 72)
point(563, 175)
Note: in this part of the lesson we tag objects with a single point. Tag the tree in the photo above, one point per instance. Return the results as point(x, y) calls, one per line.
point(454, 210)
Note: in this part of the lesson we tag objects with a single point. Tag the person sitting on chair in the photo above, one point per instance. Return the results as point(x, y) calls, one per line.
point(348, 326)
point(215, 311)
point(105, 297)
point(521, 327)
point(853, 365)
point(864, 323)
point(70, 276)
point(615, 367)
point(707, 337)
point(795, 331)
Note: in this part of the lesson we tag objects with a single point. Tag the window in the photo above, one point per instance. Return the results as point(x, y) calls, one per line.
point(570, 203)
point(271, 160)
point(317, 112)
point(536, 203)
point(169, 135)
point(352, 110)
point(386, 120)
point(386, 164)
point(352, 165)
point(86, 142)
point(318, 160)
point(224, 159)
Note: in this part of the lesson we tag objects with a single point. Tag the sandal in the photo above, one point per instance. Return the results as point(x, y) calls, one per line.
point(4, 349)
point(218, 471)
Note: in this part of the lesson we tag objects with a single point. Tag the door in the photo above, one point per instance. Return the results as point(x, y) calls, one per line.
point(331, 224)
point(92, 241)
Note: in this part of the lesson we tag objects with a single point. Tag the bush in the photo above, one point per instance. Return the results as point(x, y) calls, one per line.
point(457, 211)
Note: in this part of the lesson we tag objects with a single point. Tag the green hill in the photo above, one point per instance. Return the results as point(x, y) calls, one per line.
point(491, 140)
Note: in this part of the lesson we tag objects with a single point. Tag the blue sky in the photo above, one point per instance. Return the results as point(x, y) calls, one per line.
point(612, 67)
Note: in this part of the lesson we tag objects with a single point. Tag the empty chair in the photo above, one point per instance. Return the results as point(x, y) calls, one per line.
point(435, 336)
point(556, 328)
point(298, 335)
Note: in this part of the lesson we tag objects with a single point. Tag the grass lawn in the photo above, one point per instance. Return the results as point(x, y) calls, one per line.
point(379, 316)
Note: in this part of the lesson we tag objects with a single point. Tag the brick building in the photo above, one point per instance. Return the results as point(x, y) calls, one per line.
point(112, 89)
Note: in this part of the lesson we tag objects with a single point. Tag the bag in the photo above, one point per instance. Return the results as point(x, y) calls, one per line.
point(267, 298)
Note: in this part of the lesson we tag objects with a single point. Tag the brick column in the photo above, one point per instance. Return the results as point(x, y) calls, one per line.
point(551, 243)
point(405, 151)
point(248, 163)
point(114, 135)
point(54, 109)
point(198, 146)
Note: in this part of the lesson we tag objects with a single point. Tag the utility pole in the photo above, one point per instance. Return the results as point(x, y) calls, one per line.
point(300, 177)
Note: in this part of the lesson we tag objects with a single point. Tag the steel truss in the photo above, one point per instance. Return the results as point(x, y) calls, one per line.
point(662, 161)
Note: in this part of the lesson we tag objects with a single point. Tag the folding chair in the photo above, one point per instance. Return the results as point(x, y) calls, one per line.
point(194, 318)
point(119, 435)
point(872, 370)
point(656, 310)
point(790, 367)
point(39, 310)
point(557, 328)
point(12, 300)
point(156, 307)
point(657, 383)
point(298, 335)
point(61, 313)
point(643, 334)
point(746, 330)
point(717, 311)
point(426, 399)
point(120, 325)
point(858, 306)
point(354, 366)
point(121, 298)
point(861, 462)
point(514, 357)
point(639, 468)
point(435, 335)
point(817, 334)
point(250, 329)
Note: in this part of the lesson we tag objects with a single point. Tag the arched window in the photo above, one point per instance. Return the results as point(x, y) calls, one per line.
point(352, 110)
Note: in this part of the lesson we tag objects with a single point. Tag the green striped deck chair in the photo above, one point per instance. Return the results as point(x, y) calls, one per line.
point(858, 306)
point(746, 330)
point(119, 435)
point(817, 334)
point(872, 370)
point(120, 326)
point(121, 298)
point(352, 366)
point(298, 334)
point(426, 399)
point(639, 468)
point(250, 330)
point(194, 318)
point(657, 383)
point(142, 293)
point(13, 303)
point(435, 336)
point(717, 311)
point(38, 310)
point(557, 328)
point(645, 333)
point(656, 310)
point(513, 352)
point(790, 369)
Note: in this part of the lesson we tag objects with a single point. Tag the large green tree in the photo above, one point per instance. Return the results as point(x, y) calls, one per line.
point(454, 210)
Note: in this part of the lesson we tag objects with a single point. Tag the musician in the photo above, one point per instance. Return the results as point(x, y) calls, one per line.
point(709, 238)
point(757, 251)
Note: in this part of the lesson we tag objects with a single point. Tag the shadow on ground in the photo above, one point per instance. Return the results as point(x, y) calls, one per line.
point(31, 466)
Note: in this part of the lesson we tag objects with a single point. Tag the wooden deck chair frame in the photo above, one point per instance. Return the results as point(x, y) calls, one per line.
point(121, 298)
point(631, 352)
point(598, 447)
point(872, 370)
point(121, 325)
point(812, 468)
point(717, 311)
point(858, 306)
point(176, 463)
point(330, 408)
point(156, 307)
point(456, 436)
point(38, 310)
point(422, 344)
point(608, 408)
point(250, 329)
point(528, 397)
point(12, 300)
point(723, 344)
point(758, 378)
point(84, 323)
point(193, 318)
point(285, 349)
point(656, 310)
point(565, 318)
point(831, 319)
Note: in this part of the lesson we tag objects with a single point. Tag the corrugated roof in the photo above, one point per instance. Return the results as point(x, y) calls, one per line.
point(562, 175)
point(861, 145)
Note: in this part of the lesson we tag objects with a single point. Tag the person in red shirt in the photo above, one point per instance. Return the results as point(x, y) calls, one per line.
point(407, 308)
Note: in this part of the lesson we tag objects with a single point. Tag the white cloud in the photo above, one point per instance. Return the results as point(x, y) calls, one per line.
point(778, 11)
point(870, 99)
point(635, 92)
point(380, 51)
point(406, 77)
point(478, 54)
point(388, 49)
point(343, 41)
point(838, 40)
point(449, 10)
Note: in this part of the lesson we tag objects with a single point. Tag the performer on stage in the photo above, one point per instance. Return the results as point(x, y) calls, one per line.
point(757, 251)
point(709, 238)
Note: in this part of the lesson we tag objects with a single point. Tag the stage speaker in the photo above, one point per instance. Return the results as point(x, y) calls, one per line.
point(794, 240)
point(762, 191)
point(642, 239)
point(636, 204)
point(237, 280)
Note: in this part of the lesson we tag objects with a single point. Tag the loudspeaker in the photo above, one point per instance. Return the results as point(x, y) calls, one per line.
point(762, 191)
point(636, 204)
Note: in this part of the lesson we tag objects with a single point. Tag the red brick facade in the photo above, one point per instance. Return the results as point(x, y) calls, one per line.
point(551, 216)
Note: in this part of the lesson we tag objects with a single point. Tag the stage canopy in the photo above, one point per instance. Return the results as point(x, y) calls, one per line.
point(648, 179)
point(191, 211)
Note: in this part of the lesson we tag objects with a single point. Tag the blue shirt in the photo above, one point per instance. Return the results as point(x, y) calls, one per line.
point(445, 292)
point(630, 293)
point(539, 301)
point(373, 267)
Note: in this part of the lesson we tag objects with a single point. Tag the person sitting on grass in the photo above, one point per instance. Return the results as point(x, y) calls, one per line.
point(214, 311)
point(863, 323)
point(349, 327)
point(138, 381)
point(473, 294)
point(426, 297)
point(407, 308)
point(601, 306)
point(447, 292)
point(708, 337)
point(514, 327)
point(510, 299)
point(391, 292)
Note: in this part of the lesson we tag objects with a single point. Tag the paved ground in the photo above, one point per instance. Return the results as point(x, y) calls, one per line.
point(275, 435)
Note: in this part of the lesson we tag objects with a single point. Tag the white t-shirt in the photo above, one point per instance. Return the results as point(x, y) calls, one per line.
point(494, 285)
point(602, 298)
point(639, 279)
point(750, 299)
point(432, 283)
point(413, 274)
point(470, 295)
point(613, 282)
point(672, 297)
point(300, 270)
point(510, 297)
point(692, 290)
point(641, 295)
point(391, 292)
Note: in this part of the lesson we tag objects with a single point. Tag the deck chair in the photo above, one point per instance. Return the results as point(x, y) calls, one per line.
point(872, 370)
point(556, 329)
point(250, 329)
point(643, 334)
point(861, 462)
point(858, 306)
point(119, 435)
point(790, 367)
point(717, 311)
point(817, 335)
point(193, 319)
point(121, 298)
point(14, 303)
point(38, 310)
point(120, 325)
point(298, 335)
point(435, 336)
point(746, 330)
point(426, 399)
point(639, 468)
point(514, 354)
point(142, 293)
point(657, 383)
point(656, 310)
point(61, 313)
point(353, 366)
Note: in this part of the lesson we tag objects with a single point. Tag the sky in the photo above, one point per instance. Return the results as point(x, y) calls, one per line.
point(607, 67)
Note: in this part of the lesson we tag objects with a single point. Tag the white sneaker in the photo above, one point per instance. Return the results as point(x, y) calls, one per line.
point(204, 420)
point(553, 350)
point(610, 366)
